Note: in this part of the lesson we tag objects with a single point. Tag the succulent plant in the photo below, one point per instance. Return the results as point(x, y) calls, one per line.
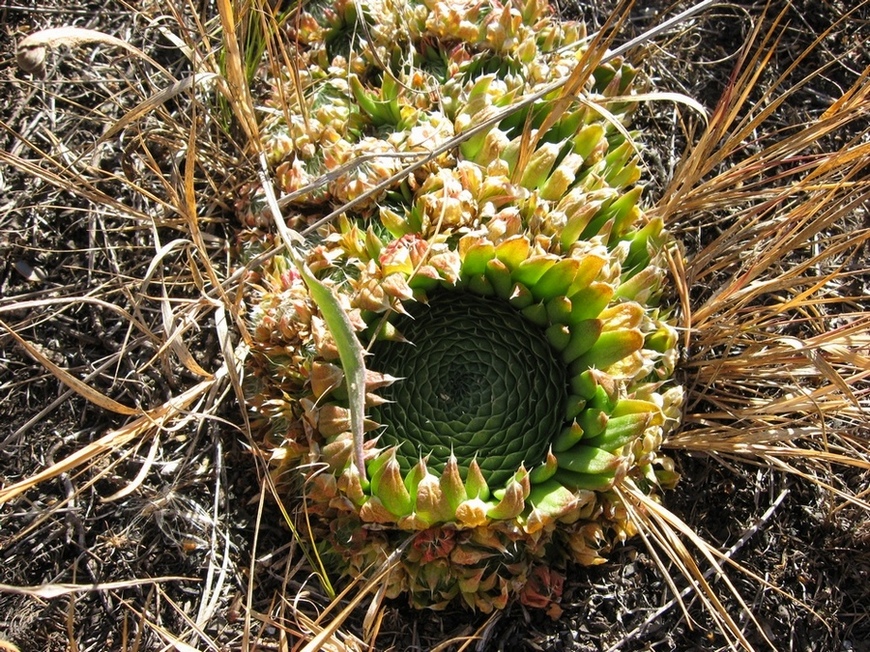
point(507, 291)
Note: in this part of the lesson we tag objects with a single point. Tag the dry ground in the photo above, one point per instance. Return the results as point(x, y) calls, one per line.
point(184, 503)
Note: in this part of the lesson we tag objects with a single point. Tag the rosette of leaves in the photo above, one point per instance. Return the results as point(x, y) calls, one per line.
point(506, 288)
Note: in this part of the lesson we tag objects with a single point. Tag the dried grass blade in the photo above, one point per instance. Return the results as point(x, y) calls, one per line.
point(662, 96)
point(655, 31)
point(48, 591)
point(85, 188)
point(669, 529)
point(140, 477)
point(171, 640)
point(825, 368)
point(190, 211)
point(234, 358)
point(7, 646)
point(727, 557)
point(151, 103)
point(17, 306)
point(173, 339)
point(572, 87)
point(69, 380)
point(239, 94)
point(195, 629)
point(152, 419)
point(325, 634)
point(30, 53)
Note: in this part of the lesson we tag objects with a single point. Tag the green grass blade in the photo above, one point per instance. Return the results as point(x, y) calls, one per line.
point(349, 348)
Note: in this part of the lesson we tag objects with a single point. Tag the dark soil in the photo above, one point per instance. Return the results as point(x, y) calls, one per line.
point(189, 497)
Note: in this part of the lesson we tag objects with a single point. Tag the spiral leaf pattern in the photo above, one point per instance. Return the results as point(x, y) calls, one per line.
point(492, 394)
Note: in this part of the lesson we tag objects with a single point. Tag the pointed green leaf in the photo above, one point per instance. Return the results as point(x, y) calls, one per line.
point(611, 347)
point(556, 280)
point(513, 251)
point(584, 335)
point(499, 276)
point(476, 257)
point(529, 271)
point(587, 459)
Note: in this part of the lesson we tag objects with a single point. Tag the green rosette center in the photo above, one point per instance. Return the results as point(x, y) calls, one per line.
point(479, 380)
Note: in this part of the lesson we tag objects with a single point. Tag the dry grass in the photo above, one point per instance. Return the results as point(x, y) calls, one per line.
point(135, 511)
